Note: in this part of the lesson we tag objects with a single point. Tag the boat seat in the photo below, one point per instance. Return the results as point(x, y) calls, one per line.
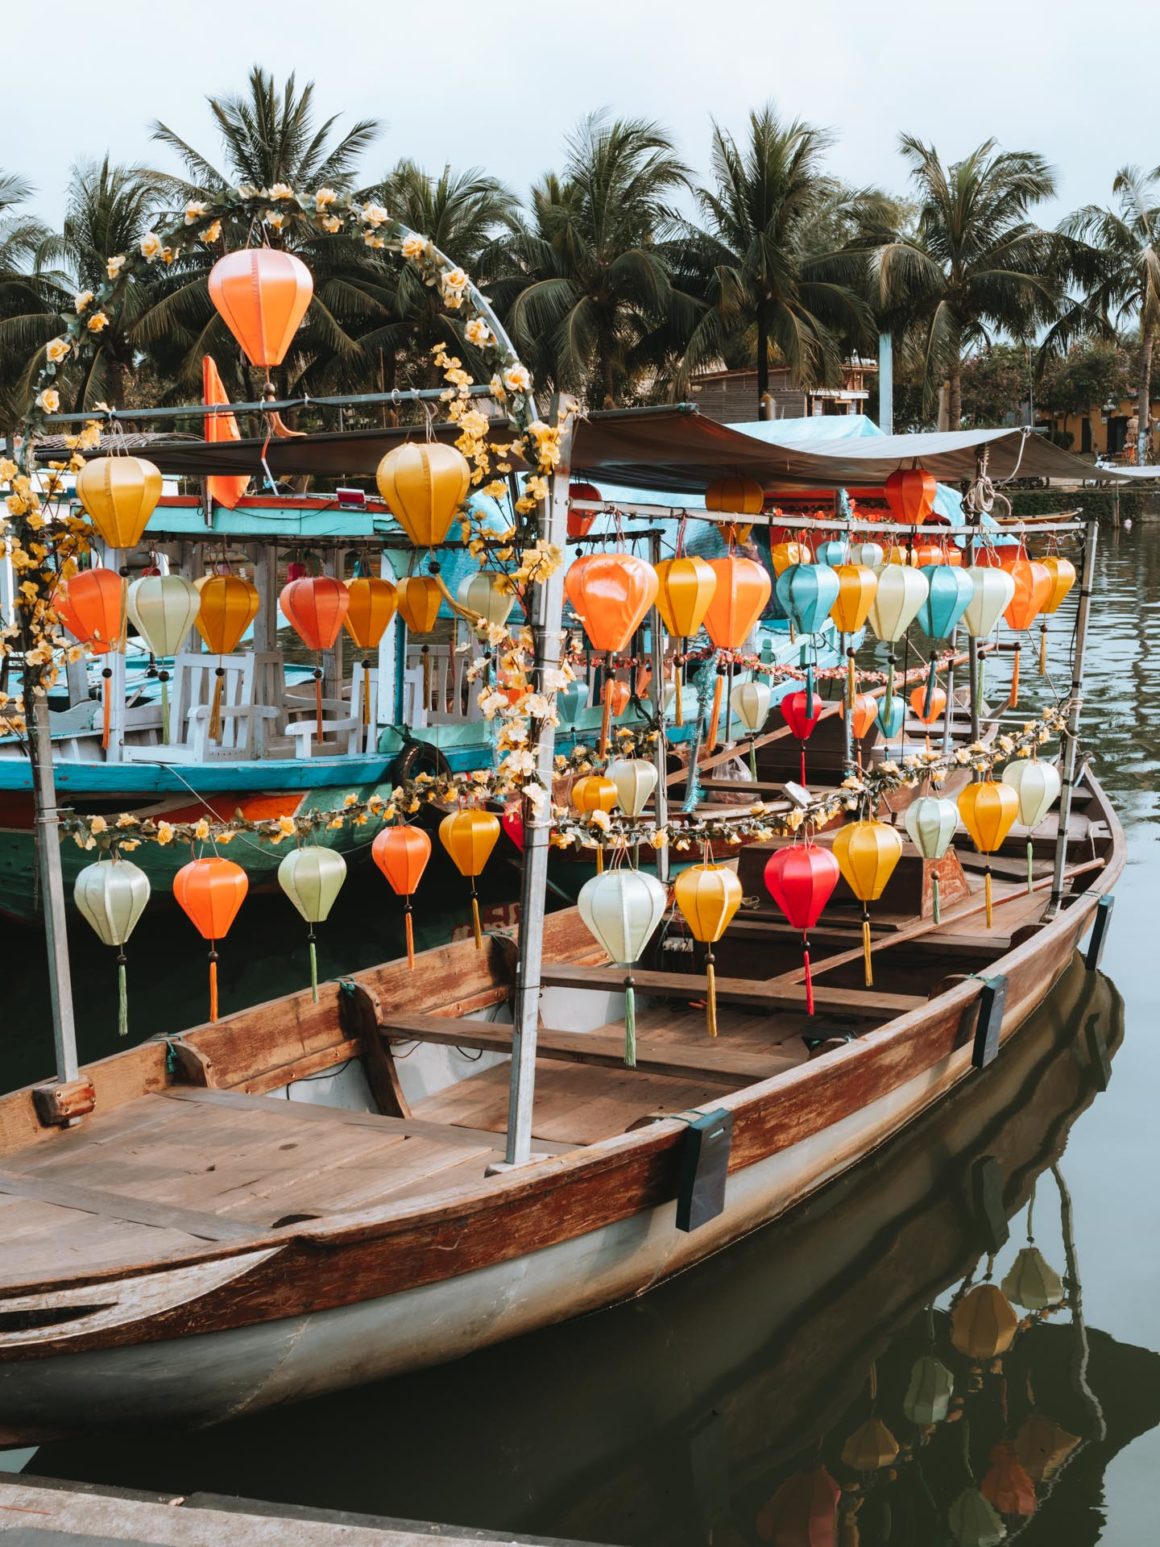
point(195, 681)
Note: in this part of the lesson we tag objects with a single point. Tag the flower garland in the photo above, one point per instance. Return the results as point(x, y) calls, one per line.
point(758, 822)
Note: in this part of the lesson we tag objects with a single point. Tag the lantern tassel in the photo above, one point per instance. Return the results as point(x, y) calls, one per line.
point(318, 702)
point(809, 692)
point(1030, 866)
point(213, 983)
point(475, 923)
point(803, 764)
point(599, 859)
point(715, 717)
point(215, 713)
point(1043, 649)
point(851, 682)
point(711, 994)
point(729, 706)
point(313, 967)
point(122, 998)
point(366, 695)
point(164, 706)
point(935, 899)
point(928, 696)
point(869, 965)
point(409, 927)
point(809, 976)
point(606, 716)
point(629, 1024)
point(106, 709)
point(987, 894)
point(753, 759)
point(677, 705)
point(1013, 700)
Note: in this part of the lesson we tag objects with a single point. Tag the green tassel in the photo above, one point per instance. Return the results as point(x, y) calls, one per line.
point(122, 999)
point(935, 901)
point(809, 692)
point(1030, 867)
point(629, 1025)
point(313, 969)
point(752, 763)
point(164, 709)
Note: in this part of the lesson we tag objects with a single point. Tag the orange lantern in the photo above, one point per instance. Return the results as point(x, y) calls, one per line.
point(708, 897)
point(119, 494)
point(999, 555)
point(988, 810)
point(619, 693)
point(210, 891)
point(419, 598)
point(262, 295)
point(229, 605)
point(983, 1324)
point(857, 588)
point(469, 836)
point(424, 483)
point(910, 494)
point(315, 608)
point(743, 589)
point(580, 521)
point(1007, 1484)
point(89, 606)
point(401, 853)
point(372, 606)
point(685, 588)
point(863, 713)
point(928, 702)
point(803, 1512)
point(737, 496)
point(1034, 584)
point(611, 592)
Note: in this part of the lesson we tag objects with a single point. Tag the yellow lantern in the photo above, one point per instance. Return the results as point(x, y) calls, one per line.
point(870, 1447)
point(988, 810)
point(708, 897)
point(1041, 1446)
point(686, 587)
point(119, 494)
point(372, 606)
point(1062, 579)
point(867, 853)
point(424, 483)
point(785, 555)
point(595, 792)
point(419, 598)
point(857, 587)
point(983, 1325)
point(469, 836)
point(229, 605)
point(737, 496)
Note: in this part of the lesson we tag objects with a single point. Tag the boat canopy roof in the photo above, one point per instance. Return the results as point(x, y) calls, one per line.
point(673, 449)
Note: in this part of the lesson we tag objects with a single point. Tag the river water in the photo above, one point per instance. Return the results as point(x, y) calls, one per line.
point(706, 1412)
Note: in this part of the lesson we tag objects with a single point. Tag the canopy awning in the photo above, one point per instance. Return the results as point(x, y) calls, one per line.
point(671, 449)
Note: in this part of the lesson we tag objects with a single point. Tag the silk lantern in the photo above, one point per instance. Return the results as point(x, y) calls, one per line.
point(948, 592)
point(834, 552)
point(869, 555)
point(1032, 1282)
point(315, 608)
point(119, 495)
point(372, 606)
point(401, 853)
point(988, 810)
point(901, 592)
point(891, 713)
point(111, 896)
point(928, 702)
point(928, 1392)
point(594, 792)
point(802, 711)
point(871, 1447)
point(1063, 577)
point(983, 1325)
point(861, 713)
point(572, 700)
point(1006, 1484)
point(618, 692)
point(312, 878)
point(803, 1511)
point(807, 592)
point(89, 606)
point(512, 821)
point(708, 897)
point(580, 521)
point(751, 702)
point(163, 609)
point(469, 836)
point(229, 604)
point(482, 594)
point(424, 483)
point(1034, 584)
point(634, 779)
point(1042, 1446)
point(991, 593)
point(1037, 785)
point(910, 494)
point(611, 593)
point(419, 599)
point(785, 555)
point(867, 852)
point(801, 879)
point(973, 1521)
point(736, 496)
point(210, 891)
point(857, 587)
point(621, 910)
point(743, 589)
point(262, 294)
point(685, 587)
point(931, 823)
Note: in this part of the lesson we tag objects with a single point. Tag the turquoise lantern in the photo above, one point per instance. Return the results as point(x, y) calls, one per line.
point(836, 551)
point(890, 716)
point(950, 591)
point(807, 592)
point(572, 701)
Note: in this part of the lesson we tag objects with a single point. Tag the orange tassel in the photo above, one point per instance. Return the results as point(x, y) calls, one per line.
point(410, 938)
point(213, 985)
point(711, 996)
point(679, 707)
point(715, 719)
point(1013, 700)
point(106, 709)
point(987, 894)
point(1043, 649)
point(606, 716)
point(215, 714)
point(475, 924)
point(866, 950)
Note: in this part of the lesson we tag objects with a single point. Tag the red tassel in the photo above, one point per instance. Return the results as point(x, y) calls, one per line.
point(803, 763)
point(809, 978)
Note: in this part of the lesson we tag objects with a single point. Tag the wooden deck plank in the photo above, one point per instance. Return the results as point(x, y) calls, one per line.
point(136, 1211)
point(869, 1005)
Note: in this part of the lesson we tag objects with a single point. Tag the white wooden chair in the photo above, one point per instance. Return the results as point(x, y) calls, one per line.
point(368, 705)
point(191, 712)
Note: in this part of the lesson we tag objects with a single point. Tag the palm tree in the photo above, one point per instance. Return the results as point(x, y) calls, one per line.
point(771, 267)
point(1115, 256)
point(973, 263)
point(589, 282)
point(30, 294)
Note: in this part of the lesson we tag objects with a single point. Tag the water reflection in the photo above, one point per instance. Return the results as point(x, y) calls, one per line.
point(779, 1373)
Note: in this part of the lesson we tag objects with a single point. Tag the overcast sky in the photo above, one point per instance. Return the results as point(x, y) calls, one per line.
point(485, 84)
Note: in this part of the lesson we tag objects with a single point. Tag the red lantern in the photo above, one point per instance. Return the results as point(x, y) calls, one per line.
point(210, 891)
point(262, 294)
point(611, 592)
point(401, 853)
point(1007, 1484)
point(1034, 584)
point(801, 711)
point(910, 494)
point(512, 822)
point(743, 589)
point(801, 880)
point(580, 521)
point(803, 1512)
point(865, 712)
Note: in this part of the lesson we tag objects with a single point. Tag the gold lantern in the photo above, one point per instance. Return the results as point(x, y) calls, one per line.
point(119, 495)
point(983, 1325)
point(424, 483)
point(988, 810)
point(708, 897)
point(469, 836)
point(867, 853)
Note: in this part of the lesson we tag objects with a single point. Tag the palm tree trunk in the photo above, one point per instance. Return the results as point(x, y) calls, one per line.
point(955, 397)
point(1144, 401)
point(762, 356)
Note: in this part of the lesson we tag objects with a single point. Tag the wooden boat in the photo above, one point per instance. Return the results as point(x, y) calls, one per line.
point(198, 1245)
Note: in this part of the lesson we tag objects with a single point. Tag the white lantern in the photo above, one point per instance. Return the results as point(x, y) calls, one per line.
point(993, 590)
point(751, 703)
point(162, 609)
point(635, 779)
point(973, 1522)
point(1032, 1282)
point(621, 910)
point(869, 554)
point(312, 878)
point(931, 823)
point(901, 592)
point(1037, 786)
point(929, 1392)
point(481, 593)
point(111, 896)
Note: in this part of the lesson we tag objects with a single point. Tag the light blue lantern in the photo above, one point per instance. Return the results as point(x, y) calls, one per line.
point(836, 551)
point(950, 591)
point(572, 701)
point(890, 716)
point(807, 592)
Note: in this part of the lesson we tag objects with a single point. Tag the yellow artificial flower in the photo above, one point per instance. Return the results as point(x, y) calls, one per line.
point(98, 322)
point(478, 332)
point(516, 378)
point(164, 833)
point(281, 191)
point(97, 824)
point(324, 198)
point(56, 349)
point(211, 233)
point(48, 401)
point(115, 265)
point(414, 246)
point(82, 301)
point(194, 211)
point(201, 829)
point(150, 246)
point(332, 224)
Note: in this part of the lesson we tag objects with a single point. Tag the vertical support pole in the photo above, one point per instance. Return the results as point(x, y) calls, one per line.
point(949, 717)
point(661, 798)
point(52, 893)
point(886, 383)
point(1070, 746)
point(547, 623)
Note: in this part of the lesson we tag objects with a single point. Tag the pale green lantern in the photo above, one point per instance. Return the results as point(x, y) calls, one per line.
point(992, 590)
point(1037, 786)
point(929, 1392)
point(162, 609)
point(621, 910)
point(111, 896)
point(931, 823)
point(312, 878)
point(751, 702)
point(901, 592)
point(481, 593)
point(1032, 1282)
point(635, 779)
point(974, 1522)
